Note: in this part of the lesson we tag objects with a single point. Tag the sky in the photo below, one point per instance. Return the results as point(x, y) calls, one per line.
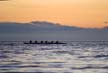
point(80, 13)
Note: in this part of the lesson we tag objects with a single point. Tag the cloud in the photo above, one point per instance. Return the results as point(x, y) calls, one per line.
point(49, 31)
point(4, 0)
point(106, 22)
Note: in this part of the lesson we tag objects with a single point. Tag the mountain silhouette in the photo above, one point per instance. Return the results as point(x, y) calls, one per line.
point(47, 30)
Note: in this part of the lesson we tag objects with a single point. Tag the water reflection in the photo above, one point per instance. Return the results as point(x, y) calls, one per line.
point(71, 58)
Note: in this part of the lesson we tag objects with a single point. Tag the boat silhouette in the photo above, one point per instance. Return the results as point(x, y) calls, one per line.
point(44, 42)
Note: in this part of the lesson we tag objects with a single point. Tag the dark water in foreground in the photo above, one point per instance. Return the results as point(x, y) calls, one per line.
point(74, 57)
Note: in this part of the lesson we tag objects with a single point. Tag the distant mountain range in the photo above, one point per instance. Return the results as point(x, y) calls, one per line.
point(49, 31)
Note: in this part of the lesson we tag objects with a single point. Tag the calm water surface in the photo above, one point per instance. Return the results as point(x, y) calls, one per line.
point(74, 57)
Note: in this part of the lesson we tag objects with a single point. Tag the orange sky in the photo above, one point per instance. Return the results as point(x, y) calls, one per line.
point(81, 13)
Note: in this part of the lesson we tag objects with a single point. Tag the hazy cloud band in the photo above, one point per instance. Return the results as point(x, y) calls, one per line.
point(4, 0)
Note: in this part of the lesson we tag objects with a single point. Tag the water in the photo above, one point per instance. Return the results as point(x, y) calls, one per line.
point(74, 57)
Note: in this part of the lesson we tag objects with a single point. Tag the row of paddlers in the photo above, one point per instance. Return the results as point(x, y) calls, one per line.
point(43, 42)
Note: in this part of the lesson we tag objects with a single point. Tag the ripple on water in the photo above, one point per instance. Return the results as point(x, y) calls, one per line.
point(76, 58)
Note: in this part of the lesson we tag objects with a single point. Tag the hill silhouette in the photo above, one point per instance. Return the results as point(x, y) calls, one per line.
point(47, 30)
